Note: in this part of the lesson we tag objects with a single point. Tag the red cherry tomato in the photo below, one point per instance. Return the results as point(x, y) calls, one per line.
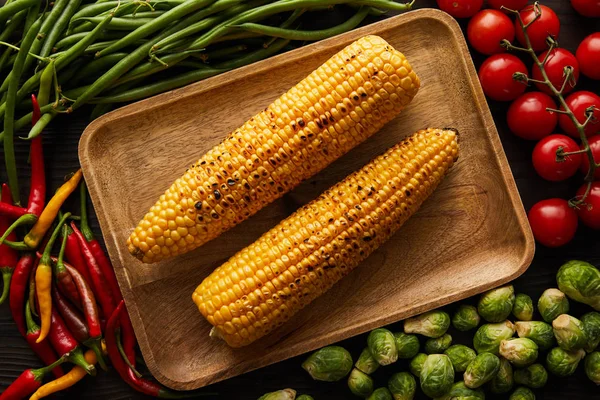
point(555, 67)
point(587, 8)
point(553, 222)
point(594, 143)
point(510, 4)
point(527, 116)
point(544, 158)
point(496, 77)
point(487, 28)
point(588, 55)
point(589, 213)
point(578, 102)
point(547, 24)
point(460, 8)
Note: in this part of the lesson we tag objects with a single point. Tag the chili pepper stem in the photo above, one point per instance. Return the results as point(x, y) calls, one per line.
point(122, 351)
point(77, 357)
point(23, 220)
point(95, 344)
point(6, 278)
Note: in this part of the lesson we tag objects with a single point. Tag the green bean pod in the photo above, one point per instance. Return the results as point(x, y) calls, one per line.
point(61, 24)
point(13, 25)
point(151, 67)
point(71, 40)
point(39, 126)
point(11, 9)
point(95, 68)
point(118, 24)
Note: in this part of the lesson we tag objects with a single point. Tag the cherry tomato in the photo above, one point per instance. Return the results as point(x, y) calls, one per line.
point(589, 213)
point(594, 143)
point(547, 24)
point(510, 4)
point(487, 28)
point(460, 8)
point(555, 67)
point(588, 55)
point(587, 8)
point(578, 102)
point(544, 158)
point(527, 116)
point(553, 222)
point(496, 77)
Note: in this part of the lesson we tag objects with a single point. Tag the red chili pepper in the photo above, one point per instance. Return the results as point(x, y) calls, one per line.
point(28, 382)
point(18, 284)
point(66, 345)
point(64, 280)
point(73, 254)
point(11, 211)
point(8, 257)
point(37, 189)
point(43, 350)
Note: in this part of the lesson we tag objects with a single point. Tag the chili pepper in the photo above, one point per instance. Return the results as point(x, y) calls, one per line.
point(43, 350)
point(73, 254)
point(71, 378)
point(18, 285)
point(29, 381)
point(8, 257)
point(43, 281)
point(11, 211)
point(37, 189)
point(64, 280)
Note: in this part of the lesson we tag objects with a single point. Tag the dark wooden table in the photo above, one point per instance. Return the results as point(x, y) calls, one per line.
point(61, 154)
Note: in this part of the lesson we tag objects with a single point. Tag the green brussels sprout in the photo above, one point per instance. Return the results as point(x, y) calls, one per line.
point(360, 384)
point(581, 282)
point(488, 337)
point(519, 351)
point(569, 332)
point(591, 326)
point(563, 363)
point(432, 324)
point(592, 367)
point(459, 391)
point(538, 331)
point(366, 363)
point(437, 375)
point(522, 393)
point(534, 376)
point(481, 370)
point(402, 386)
point(438, 345)
point(460, 356)
point(503, 381)
point(496, 305)
point(305, 397)
point(382, 346)
point(380, 394)
point(552, 303)
point(465, 318)
point(328, 364)
point(523, 308)
point(416, 364)
point(407, 345)
point(285, 394)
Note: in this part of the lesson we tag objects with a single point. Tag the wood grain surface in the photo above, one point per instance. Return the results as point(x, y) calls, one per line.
point(61, 154)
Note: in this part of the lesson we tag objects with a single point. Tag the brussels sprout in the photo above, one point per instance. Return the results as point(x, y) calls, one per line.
point(380, 394)
point(402, 386)
point(366, 363)
point(416, 364)
point(503, 381)
point(465, 318)
point(437, 375)
point(522, 393)
point(496, 305)
point(552, 303)
point(581, 282)
point(563, 363)
point(459, 391)
point(360, 384)
point(523, 308)
point(591, 326)
point(285, 394)
point(488, 337)
point(520, 352)
point(481, 370)
point(592, 367)
point(382, 346)
point(305, 397)
point(432, 324)
point(438, 345)
point(534, 376)
point(328, 364)
point(407, 345)
point(569, 332)
point(460, 356)
point(538, 331)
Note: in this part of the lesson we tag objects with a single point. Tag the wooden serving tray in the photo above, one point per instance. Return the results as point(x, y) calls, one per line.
point(470, 236)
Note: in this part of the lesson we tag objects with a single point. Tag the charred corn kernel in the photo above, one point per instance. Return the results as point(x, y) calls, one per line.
point(324, 240)
point(339, 105)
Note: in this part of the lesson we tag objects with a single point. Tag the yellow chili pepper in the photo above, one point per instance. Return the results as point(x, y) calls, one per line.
point(37, 232)
point(65, 381)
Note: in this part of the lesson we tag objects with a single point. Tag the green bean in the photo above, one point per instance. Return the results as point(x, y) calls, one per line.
point(191, 64)
point(13, 24)
point(144, 14)
point(66, 75)
point(95, 68)
point(180, 37)
point(119, 24)
point(95, 9)
point(221, 53)
point(61, 24)
point(69, 41)
point(26, 120)
point(116, 11)
point(287, 24)
point(39, 126)
point(11, 9)
point(46, 80)
point(5, 58)
point(96, 47)
point(149, 68)
point(233, 36)
point(32, 15)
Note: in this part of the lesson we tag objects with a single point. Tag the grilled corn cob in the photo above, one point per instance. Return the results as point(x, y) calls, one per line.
point(263, 285)
point(337, 106)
